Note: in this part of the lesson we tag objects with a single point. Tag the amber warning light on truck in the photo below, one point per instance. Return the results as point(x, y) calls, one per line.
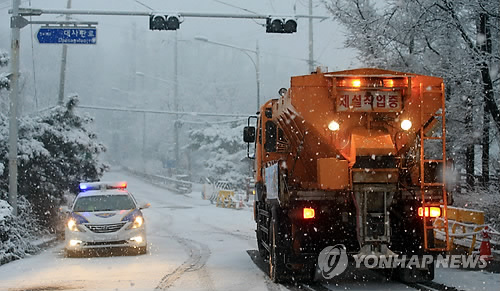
point(429, 211)
point(309, 213)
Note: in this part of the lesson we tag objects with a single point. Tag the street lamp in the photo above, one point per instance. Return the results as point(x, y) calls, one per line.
point(176, 104)
point(256, 62)
point(143, 154)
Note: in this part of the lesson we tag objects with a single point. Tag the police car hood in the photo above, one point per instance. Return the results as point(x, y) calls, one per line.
point(106, 217)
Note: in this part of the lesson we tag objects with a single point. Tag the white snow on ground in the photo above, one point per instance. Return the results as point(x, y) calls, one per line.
point(468, 280)
point(226, 234)
point(193, 245)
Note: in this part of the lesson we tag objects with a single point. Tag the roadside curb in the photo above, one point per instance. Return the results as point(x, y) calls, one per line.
point(41, 245)
point(47, 243)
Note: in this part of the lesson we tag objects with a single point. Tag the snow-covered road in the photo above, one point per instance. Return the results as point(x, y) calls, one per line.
point(192, 246)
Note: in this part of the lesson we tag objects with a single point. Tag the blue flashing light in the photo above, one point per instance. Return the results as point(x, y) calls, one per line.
point(87, 186)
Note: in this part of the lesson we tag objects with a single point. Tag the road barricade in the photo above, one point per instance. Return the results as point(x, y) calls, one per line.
point(215, 188)
point(225, 199)
point(466, 227)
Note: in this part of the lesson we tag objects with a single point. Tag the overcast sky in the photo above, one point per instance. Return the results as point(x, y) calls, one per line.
point(126, 44)
point(210, 78)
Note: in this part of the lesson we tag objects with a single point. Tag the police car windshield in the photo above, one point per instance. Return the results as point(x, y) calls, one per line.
point(103, 203)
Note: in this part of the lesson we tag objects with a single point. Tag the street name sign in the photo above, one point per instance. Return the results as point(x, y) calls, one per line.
point(67, 35)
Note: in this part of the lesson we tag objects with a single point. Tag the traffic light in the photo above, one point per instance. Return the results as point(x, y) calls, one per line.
point(281, 25)
point(164, 22)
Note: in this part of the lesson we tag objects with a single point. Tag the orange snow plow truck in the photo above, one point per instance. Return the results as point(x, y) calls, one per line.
point(353, 158)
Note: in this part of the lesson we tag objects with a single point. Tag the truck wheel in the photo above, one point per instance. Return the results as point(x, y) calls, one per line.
point(277, 268)
point(408, 275)
point(306, 275)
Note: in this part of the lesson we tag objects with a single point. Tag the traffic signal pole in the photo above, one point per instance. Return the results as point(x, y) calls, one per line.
point(38, 12)
point(18, 22)
point(14, 96)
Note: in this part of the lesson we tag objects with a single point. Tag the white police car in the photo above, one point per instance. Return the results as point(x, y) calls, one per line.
point(105, 215)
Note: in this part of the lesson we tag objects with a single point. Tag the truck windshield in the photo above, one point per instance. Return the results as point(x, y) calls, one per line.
point(103, 203)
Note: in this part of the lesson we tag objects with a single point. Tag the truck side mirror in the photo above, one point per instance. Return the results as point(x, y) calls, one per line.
point(249, 134)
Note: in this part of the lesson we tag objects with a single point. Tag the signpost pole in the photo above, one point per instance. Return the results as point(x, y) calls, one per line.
point(62, 76)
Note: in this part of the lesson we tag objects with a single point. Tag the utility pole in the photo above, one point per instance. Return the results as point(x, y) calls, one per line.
point(257, 70)
point(144, 140)
point(62, 76)
point(14, 96)
point(176, 102)
point(311, 39)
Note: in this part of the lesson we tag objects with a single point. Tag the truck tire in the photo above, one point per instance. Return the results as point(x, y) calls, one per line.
point(306, 274)
point(277, 267)
point(408, 275)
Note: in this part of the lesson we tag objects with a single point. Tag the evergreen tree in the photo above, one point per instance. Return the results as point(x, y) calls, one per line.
point(222, 153)
point(56, 152)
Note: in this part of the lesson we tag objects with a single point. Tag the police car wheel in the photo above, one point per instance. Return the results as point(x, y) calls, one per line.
point(71, 254)
point(142, 250)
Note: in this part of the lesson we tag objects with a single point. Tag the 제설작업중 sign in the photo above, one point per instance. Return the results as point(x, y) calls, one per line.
point(366, 101)
point(67, 35)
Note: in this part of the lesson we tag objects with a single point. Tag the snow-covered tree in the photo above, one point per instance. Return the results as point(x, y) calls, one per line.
point(435, 37)
point(4, 80)
point(16, 233)
point(221, 153)
point(56, 152)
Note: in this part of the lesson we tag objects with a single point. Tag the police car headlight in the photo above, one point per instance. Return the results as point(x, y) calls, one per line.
point(138, 222)
point(72, 225)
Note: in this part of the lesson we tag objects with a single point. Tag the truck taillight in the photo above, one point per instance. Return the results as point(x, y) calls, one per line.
point(429, 211)
point(309, 213)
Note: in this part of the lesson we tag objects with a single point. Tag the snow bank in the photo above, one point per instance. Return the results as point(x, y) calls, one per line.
point(17, 233)
point(5, 210)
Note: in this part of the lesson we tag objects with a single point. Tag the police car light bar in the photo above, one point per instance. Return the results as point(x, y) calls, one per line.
point(102, 185)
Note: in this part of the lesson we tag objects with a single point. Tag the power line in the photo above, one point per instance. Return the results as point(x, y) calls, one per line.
point(234, 6)
point(163, 111)
point(241, 8)
point(213, 122)
point(144, 5)
point(272, 5)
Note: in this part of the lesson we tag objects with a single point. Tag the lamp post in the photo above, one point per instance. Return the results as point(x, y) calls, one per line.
point(176, 103)
point(143, 150)
point(256, 62)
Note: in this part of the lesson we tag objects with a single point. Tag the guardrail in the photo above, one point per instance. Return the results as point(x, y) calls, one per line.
point(470, 223)
point(175, 185)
